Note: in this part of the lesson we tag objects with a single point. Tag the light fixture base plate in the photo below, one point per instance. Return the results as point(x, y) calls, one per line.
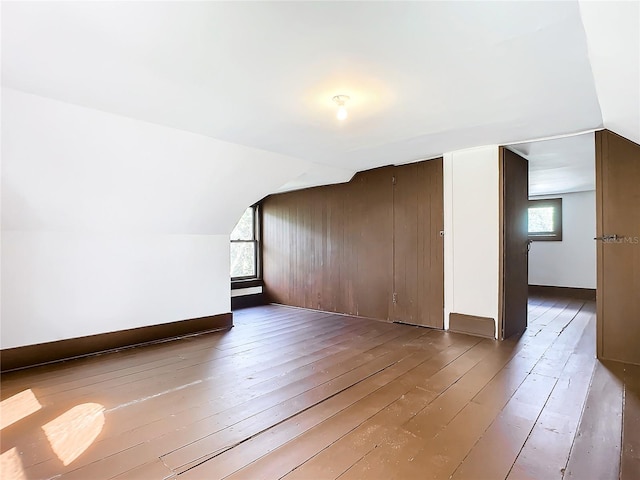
point(341, 99)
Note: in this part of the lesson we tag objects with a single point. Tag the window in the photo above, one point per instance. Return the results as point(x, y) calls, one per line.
point(244, 246)
point(545, 219)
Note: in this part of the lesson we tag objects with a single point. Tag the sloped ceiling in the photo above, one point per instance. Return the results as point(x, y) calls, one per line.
point(613, 38)
point(67, 168)
point(424, 77)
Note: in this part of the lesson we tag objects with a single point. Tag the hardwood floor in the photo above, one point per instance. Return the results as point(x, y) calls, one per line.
point(297, 394)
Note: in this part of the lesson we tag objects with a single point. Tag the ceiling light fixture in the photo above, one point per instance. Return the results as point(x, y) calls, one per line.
point(341, 101)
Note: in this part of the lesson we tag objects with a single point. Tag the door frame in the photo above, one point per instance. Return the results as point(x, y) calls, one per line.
point(501, 251)
point(600, 152)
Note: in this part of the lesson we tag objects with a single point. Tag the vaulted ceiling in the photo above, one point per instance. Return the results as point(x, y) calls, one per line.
point(424, 77)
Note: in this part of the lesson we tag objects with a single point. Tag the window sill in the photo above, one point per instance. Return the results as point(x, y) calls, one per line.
point(546, 239)
point(246, 283)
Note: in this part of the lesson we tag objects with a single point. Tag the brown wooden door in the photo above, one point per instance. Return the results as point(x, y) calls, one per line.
point(514, 179)
point(618, 220)
point(418, 247)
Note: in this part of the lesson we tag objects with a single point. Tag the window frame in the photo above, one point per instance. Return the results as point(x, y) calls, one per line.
point(556, 234)
point(250, 280)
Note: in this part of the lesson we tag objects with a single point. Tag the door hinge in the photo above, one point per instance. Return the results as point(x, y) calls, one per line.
point(395, 298)
point(393, 180)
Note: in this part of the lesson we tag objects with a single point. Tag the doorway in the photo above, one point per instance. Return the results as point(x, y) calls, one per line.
point(561, 224)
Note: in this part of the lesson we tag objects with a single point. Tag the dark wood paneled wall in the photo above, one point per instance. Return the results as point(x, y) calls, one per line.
point(331, 248)
point(418, 246)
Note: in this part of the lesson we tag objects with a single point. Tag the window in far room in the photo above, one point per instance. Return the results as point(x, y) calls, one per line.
point(245, 247)
point(545, 219)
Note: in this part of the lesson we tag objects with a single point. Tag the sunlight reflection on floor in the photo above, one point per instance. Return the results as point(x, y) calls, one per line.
point(17, 407)
point(74, 431)
point(11, 465)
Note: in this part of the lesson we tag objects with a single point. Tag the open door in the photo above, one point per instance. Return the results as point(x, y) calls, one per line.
point(618, 250)
point(514, 268)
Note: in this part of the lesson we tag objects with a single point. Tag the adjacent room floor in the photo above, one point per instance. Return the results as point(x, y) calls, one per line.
point(296, 394)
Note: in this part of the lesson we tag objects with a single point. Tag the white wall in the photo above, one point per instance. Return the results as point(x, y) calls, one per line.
point(111, 223)
point(60, 285)
point(571, 262)
point(471, 213)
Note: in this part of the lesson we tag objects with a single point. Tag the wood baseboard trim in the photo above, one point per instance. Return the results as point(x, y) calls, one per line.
point(246, 301)
point(33, 355)
point(572, 292)
point(472, 325)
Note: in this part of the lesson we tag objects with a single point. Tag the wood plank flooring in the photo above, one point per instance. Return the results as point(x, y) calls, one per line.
point(297, 394)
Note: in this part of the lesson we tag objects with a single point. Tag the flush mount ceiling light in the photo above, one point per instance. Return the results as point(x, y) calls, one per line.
point(341, 101)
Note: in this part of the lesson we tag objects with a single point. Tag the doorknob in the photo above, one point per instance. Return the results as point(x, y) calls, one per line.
point(607, 238)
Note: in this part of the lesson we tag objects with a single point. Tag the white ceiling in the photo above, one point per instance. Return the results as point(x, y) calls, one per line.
point(613, 39)
point(560, 165)
point(424, 77)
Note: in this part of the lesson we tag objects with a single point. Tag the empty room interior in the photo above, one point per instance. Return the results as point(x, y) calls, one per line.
point(320, 240)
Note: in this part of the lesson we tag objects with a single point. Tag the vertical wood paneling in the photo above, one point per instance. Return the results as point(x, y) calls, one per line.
point(372, 243)
point(332, 248)
point(431, 271)
point(418, 247)
point(405, 245)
